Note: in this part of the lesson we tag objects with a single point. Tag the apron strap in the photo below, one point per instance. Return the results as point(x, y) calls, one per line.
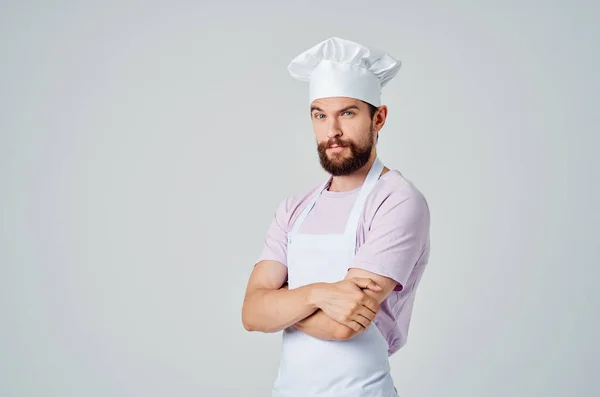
point(353, 219)
point(368, 185)
point(309, 207)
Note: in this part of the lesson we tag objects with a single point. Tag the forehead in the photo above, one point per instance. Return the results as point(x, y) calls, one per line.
point(336, 103)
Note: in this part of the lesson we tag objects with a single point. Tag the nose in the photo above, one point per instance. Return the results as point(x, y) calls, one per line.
point(333, 129)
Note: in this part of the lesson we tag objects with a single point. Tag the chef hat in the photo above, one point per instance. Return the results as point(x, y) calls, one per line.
point(342, 68)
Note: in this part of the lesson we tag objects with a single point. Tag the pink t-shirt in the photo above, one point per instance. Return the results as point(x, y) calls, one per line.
point(392, 240)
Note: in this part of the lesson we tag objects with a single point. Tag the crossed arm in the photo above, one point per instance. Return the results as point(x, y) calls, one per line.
point(270, 306)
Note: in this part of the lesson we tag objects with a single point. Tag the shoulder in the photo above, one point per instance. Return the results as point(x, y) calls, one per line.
point(290, 207)
point(396, 195)
point(393, 183)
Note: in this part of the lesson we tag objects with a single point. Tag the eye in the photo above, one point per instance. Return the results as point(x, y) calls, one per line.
point(348, 112)
point(318, 115)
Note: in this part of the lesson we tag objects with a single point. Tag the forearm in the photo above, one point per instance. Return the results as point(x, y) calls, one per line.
point(268, 310)
point(321, 326)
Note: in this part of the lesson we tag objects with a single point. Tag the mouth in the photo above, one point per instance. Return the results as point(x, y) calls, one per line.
point(336, 147)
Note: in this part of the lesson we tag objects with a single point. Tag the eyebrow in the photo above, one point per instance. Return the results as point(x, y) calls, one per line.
point(348, 108)
point(313, 108)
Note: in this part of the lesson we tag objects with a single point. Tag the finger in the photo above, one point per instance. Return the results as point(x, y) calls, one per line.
point(356, 326)
point(367, 313)
point(361, 282)
point(373, 287)
point(370, 304)
point(362, 320)
point(366, 283)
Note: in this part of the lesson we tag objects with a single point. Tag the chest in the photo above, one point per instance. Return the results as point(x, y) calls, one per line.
point(329, 215)
point(314, 258)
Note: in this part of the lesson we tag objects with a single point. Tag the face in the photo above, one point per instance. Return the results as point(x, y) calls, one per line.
point(345, 134)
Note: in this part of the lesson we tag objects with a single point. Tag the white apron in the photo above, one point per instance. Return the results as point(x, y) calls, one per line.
point(310, 367)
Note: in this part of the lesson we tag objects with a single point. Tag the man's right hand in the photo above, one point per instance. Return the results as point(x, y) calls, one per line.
point(346, 303)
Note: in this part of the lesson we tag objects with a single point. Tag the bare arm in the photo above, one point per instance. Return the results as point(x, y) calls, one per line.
point(268, 307)
point(321, 326)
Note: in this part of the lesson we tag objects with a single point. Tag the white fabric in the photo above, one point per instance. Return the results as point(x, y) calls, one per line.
point(311, 367)
point(343, 68)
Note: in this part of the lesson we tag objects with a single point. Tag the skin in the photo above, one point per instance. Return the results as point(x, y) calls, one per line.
point(329, 311)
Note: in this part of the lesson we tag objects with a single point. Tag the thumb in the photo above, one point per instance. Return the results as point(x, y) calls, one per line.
point(366, 283)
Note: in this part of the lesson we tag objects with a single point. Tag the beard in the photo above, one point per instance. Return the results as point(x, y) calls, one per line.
point(344, 163)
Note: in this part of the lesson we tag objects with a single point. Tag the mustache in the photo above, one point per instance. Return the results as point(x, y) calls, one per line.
point(335, 141)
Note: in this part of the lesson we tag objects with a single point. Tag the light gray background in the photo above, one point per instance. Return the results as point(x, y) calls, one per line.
point(144, 147)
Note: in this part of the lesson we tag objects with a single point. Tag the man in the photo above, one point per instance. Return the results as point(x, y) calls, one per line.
point(342, 261)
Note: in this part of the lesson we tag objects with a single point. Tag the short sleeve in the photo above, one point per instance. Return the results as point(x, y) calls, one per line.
point(397, 239)
point(275, 247)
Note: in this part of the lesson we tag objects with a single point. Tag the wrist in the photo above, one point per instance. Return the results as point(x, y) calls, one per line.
point(316, 294)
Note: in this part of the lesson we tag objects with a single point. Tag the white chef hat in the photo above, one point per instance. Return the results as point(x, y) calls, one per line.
point(343, 68)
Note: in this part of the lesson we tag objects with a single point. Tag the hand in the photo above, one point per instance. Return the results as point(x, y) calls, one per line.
point(347, 303)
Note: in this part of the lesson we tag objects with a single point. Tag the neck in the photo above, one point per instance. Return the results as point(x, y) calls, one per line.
point(352, 181)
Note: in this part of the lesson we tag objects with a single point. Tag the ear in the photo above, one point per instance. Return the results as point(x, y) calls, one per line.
point(380, 117)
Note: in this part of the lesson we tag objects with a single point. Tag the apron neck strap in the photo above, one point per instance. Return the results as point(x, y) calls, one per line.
point(309, 206)
point(368, 185)
point(353, 219)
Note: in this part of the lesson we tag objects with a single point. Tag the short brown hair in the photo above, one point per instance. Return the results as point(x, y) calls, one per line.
point(372, 109)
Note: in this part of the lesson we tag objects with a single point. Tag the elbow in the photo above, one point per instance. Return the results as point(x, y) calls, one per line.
point(248, 327)
point(251, 325)
point(247, 321)
point(254, 327)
